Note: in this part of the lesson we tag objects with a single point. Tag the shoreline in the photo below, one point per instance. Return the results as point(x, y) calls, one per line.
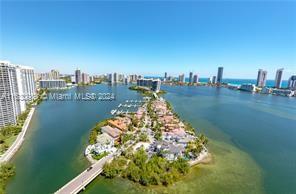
point(19, 140)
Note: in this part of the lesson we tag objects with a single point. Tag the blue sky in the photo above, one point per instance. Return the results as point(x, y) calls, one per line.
point(151, 37)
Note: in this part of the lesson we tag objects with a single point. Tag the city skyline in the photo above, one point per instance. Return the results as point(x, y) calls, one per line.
point(180, 37)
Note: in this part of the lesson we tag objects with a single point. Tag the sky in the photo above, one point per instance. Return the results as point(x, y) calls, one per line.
point(151, 37)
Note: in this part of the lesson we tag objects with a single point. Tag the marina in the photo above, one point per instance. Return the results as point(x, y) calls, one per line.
point(130, 106)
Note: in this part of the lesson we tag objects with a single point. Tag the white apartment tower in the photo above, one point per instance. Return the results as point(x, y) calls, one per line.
point(26, 85)
point(17, 87)
point(261, 78)
point(278, 78)
point(9, 105)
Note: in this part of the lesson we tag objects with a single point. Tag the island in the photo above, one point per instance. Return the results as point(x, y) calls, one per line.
point(150, 146)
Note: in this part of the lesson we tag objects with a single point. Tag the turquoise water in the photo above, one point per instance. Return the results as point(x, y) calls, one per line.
point(252, 138)
point(269, 83)
point(52, 153)
point(263, 126)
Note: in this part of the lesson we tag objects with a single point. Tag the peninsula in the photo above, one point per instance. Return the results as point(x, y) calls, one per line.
point(150, 146)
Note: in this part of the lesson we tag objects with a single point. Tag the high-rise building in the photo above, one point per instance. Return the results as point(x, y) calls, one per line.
point(55, 74)
point(220, 75)
point(85, 78)
point(91, 78)
point(156, 85)
point(190, 77)
point(182, 78)
point(110, 78)
point(278, 78)
point(214, 79)
point(17, 87)
point(126, 80)
point(26, 85)
point(153, 84)
point(292, 82)
point(78, 77)
point(261, 78)
point(9, 105)
point(52, 84)
point(115, 77)
point(120, 78)
point(195, 78)
point(210, 79)
point(165, 75)
point(133, 78)
point(45, 76)
point(73, 80)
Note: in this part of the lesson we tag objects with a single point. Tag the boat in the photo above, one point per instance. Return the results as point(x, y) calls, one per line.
point(113, 111)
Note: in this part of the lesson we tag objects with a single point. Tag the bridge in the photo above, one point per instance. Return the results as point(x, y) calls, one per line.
point(83, 179)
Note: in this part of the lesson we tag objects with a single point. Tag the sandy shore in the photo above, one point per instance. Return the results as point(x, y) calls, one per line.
point(19, 140)
point(204, 158)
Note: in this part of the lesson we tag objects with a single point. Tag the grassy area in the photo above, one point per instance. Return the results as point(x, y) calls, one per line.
point(99, 156)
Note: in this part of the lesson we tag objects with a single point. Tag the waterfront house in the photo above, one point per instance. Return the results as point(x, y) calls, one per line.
point(105, 139)
point(120, 123)
point(113, 132)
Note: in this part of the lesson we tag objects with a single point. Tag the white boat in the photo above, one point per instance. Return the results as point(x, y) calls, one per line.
point(113, 111)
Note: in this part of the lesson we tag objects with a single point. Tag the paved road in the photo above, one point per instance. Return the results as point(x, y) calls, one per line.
point(19, 140)
point(84, 178)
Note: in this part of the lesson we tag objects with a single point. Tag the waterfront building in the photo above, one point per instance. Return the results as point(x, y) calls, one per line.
point(214, 80)
point(105, 139)
point(210, 80)
point(52, 84)
point(165, 76)
point(278, 78)
point(220, 75)
point(26, 85)
point(292, 82)
point(9, 105)
point(170, 78)
point(182, 78)
point(37, 76)
point(266, 90)
point(72, 78)
point(115, 78)
point(91, 79)
point(45, 76)
point(248, 87)
point(190, 77)
point(78, 77)
point(17, 88)
point(55, 74)
point(195, 78)
point(261, 78)
point(156, 85)
point(85, 78)
point(283, 92)
point(126, 80)
point(113, 132)
point(153, 84)
point(121, 77)
point(133, 78)
point(110, 78)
